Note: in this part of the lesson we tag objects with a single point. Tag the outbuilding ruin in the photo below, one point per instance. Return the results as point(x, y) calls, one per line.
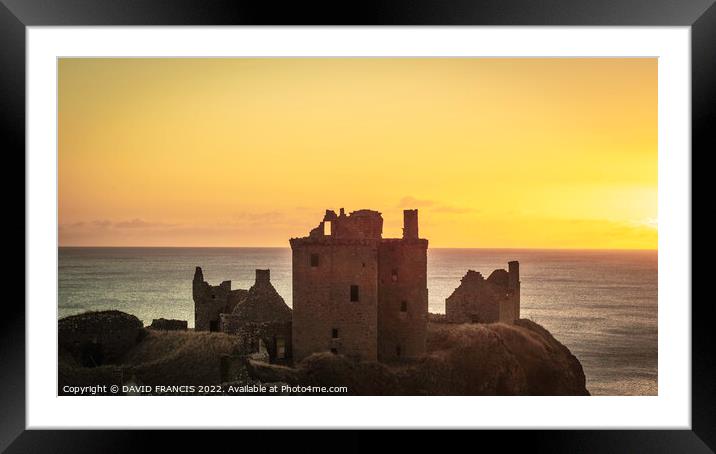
point(212, 300)
point(491, 300)
point(259, 315)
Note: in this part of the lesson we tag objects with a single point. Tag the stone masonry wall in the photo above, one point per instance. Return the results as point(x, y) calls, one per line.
point(276, 336)
point(479, 300)
point(403, 299)
point(212, 300)
point(322, 297)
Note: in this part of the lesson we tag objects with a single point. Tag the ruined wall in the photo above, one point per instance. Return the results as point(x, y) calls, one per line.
point(491, 300)
point(212, 300)
point(262, 317)
point(262, 302)
point(403, 298)
point(513, 287)
point(276, 336)
point(322, 297)
point(507, 311)
point(474, 301)
point(234, 298)
point(359, 225)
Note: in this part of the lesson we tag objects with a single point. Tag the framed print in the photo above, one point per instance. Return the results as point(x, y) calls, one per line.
point(466, 216)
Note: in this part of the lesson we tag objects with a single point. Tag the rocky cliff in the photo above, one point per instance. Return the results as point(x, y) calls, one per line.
point(463, 359)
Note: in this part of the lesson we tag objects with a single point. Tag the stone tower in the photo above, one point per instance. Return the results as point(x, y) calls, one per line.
point(357, 294)
point(403, 293)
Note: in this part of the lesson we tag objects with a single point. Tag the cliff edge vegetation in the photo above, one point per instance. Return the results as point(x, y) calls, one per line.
point(462, 359)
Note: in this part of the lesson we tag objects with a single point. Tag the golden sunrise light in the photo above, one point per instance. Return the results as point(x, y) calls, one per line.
point(514, 153)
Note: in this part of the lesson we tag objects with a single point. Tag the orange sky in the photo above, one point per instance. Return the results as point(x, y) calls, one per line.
point(544, 153)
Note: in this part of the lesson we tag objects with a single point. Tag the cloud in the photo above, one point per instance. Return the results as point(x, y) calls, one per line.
point(450, 209)
point(103, 224)
point(244, 229)
point(250, 216)
point(97, 223)
point(412, 202)
point(140, 224)
point(238, 223)
point(432, 206)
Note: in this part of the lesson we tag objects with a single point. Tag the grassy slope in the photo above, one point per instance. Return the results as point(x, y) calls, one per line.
point(180, 357)
point(161, 358)
point(471, 359)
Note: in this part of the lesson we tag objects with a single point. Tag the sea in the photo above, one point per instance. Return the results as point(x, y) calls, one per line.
point(601, 304)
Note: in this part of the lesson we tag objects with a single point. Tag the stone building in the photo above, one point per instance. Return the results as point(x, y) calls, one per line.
point(212, 300)
point(273, 337)
point(261, 317)
point(480, 300)
point(358, 294)
point(262, 303)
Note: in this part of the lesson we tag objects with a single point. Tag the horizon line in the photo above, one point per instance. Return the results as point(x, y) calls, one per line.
point(288, 247)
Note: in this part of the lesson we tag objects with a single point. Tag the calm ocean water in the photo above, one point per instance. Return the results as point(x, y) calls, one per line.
point(600, 304)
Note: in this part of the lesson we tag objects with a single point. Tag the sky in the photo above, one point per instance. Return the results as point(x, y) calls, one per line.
point(495, 153)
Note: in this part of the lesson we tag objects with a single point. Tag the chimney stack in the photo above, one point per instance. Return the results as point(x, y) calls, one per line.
point(514, 275)
point(263, 277)
point(410, 224)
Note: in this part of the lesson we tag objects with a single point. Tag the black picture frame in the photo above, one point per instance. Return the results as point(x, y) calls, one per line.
point(16, 15)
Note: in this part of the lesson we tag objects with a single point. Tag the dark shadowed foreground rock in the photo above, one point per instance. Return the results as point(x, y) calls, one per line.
point(97, 338)
point(549, 367)
point(463, 359)
point(327, 369)
point(172, 358)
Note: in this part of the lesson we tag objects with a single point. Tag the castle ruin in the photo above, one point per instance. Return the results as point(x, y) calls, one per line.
point(358, 294)
point(259, 315)
point(212, 300)
point(491, 300)
point(261, 304)
point(355, 293)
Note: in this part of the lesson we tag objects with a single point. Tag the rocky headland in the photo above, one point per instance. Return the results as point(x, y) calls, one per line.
point(523, 358)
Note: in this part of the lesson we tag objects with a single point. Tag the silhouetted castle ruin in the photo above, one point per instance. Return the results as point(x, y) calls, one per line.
point(358, 294)
point(491, 300)
point(212, 300)
point(355, 293)
point(259, 314)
